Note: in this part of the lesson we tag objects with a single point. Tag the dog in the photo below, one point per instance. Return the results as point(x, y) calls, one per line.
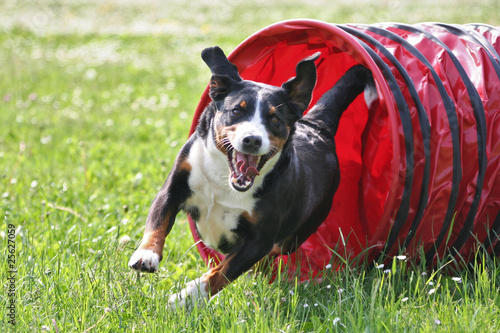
point(256, 176)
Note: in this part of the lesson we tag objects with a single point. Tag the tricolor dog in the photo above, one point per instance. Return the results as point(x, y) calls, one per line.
point(256, 176)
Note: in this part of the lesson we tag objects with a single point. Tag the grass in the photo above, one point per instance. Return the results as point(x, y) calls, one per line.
point(95, 100)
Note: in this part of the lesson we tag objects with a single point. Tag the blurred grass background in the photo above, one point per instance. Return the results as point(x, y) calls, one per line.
point(96, 98)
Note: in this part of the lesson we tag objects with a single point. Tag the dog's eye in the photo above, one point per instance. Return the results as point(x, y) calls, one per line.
point(237, 112)
point(275, 120)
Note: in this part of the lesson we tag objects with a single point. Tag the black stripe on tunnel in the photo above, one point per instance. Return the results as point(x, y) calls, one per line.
point(487, 43)
point(402, 214)
point(449, 106)
point(404, 112)
point(474, 37)
point(424, 127)
point(480, 119)
point(453, 123)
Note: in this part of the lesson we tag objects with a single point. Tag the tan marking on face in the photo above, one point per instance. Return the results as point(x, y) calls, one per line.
point(277, 142)
point(222, 134)
point(243, 104)
point(272, 110)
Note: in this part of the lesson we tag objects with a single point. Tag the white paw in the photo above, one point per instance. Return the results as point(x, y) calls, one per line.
point(195, 291)
point(144, 260)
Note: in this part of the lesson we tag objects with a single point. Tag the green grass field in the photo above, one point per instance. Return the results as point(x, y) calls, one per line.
point(96, 98)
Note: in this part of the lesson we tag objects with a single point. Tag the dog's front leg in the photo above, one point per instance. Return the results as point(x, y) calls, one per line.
point(161, 218)
point(233, 265)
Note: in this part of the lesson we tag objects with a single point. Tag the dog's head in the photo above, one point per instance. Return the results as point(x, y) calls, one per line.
point(253, 120)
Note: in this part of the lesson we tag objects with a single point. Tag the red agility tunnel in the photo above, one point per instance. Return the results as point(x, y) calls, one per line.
point(418, 170)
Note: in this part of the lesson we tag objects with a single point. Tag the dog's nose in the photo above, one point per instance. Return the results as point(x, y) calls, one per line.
point(252, 143)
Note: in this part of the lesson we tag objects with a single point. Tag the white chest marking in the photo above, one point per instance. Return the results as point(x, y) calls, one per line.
point(219, 206)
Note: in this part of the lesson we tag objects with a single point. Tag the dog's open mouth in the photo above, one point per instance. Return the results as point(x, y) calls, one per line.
point(244, 168)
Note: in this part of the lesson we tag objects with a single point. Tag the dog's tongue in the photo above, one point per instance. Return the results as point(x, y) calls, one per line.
point(247, 164)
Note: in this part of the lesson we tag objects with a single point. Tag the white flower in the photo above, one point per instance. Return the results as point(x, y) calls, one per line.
point(124, 240)
point(90, 74)
point(457, 279)
point(379, 266)
point(336, 320)
point(45, 139)
point(328, 266)
point(306, 305)
point(404, 299)
point(387, 271)
point(432, 291)
point(401, 257)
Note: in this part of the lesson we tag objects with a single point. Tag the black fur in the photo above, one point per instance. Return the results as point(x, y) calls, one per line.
point(295, 196)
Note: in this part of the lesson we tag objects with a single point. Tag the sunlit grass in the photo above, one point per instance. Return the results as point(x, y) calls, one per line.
point(93, 109)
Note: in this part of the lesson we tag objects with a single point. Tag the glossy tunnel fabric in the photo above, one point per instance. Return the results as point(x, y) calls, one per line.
point(421, 167)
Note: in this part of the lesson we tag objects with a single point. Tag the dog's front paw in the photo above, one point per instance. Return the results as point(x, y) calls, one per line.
point(144, 260)
point(194, 293)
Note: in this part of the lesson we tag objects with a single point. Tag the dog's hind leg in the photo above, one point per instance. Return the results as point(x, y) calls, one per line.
point(234, 264)
point(334, 102)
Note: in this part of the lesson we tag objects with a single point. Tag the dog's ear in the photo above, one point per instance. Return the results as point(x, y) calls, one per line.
point(216, 60)
point(299, 89)
point(225, 74)
point(220, 86)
